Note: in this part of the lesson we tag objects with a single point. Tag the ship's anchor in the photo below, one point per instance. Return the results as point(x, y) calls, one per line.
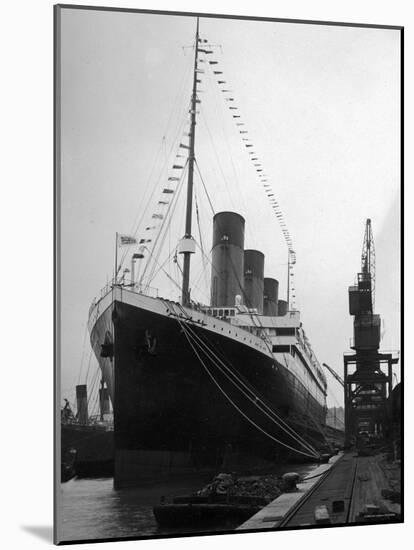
point(107, 348)
point(151, 342)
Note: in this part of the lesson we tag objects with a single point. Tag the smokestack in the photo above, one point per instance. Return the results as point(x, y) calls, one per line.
point(103, 400)
point(82, 404)
point(253, 279)
point(282, 307)
point(270, 296)
point(227, 259)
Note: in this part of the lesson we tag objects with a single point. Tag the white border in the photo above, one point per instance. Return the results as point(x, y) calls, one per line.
point(26, 274)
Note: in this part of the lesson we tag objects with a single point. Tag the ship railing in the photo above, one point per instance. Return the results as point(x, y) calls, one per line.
point(224, 314)
point(308, 351)
point(138, 288)
point(125, 285)
point(95, 420)
point(102, 293)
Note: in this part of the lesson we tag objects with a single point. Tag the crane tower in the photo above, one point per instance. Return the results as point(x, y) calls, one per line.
point(367, 387)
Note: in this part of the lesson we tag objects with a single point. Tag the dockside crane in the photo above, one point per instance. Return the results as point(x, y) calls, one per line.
point(368, 260)
point(366, 386)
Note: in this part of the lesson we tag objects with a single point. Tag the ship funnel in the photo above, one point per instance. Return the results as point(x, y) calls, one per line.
point(270, 296)
point(104, 401)
point(227, 259)
point(82, 404)
point(282, 307)
point(253, 279)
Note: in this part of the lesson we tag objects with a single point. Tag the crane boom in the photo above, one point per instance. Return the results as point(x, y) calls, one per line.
point(368, 259)
point(334, 374)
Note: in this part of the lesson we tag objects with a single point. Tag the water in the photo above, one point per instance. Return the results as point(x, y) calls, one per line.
point(93, 509)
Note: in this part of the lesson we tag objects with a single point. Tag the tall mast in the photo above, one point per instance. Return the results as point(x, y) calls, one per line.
point(187, 250)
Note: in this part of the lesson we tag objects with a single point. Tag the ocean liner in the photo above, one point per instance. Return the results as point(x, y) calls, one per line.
point(223, 385)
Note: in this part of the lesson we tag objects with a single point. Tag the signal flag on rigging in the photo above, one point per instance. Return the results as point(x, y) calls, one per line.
point(124, 240)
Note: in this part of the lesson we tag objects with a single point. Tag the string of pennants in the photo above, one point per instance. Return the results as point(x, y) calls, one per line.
point(169, 188)
point(165, 199)
point(230, 102)
point(175, 174)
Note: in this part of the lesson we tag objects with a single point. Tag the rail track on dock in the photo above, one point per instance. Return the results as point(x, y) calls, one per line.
point(350, 492)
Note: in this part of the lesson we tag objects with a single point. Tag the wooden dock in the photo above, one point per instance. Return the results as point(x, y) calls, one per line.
point(348, 490)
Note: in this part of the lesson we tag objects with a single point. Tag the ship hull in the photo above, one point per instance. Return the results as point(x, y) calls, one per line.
point(177, 409)
point(93, 449)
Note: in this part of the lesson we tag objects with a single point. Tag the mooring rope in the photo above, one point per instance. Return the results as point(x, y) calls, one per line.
point(278, 441)
point(256, 400)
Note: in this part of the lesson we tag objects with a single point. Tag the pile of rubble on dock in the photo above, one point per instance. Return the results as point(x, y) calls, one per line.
point(228, 500)
point(266, 487)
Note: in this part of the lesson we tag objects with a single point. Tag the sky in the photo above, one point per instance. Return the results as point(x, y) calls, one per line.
point(321, 106)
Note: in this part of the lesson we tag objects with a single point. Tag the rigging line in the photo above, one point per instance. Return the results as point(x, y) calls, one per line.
point(169, 218)
point(162, 266)
point(171, 279)
point(180, 94)
point(247, 301)
point(247, 386)
point(93, 408)
point(204, 186)
point(199, 274)
point(198, 219)
point(197, 277)
point(89, 365)
point(284, 236)
point(171, 208)
point(83, 353)
point(138, 218)
point(217, 158)
point(97, 403)
point(92, 386)
point(207, 258)
point(204, 255)
point(315, 422)
point(164, 227)
point(164, 221)
point(245, 382)
point(154, 189)
point(240, 194)
point(238, 409)
point(219, 106)
point(174, 144)
point(203, 260)
point(303, 443)
point(195, 285)
point(260, 403)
